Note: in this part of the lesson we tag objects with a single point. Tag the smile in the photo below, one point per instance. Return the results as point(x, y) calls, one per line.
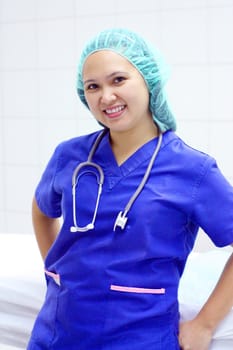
point(114, 110)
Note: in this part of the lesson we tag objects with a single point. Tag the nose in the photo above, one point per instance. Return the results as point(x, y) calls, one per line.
point(107, 96)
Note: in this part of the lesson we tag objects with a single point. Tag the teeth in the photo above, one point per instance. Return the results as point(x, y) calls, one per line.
point(114, 110)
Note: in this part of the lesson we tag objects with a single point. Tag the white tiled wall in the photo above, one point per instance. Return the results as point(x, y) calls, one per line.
point(40, 44)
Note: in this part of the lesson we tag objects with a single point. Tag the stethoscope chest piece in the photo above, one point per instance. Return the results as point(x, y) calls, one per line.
point(120, 221)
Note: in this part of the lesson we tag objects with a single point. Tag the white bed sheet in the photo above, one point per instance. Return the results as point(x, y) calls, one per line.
point(22, 289)
point(200, 276)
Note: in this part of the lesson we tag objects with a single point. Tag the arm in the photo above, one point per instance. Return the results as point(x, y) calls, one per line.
point(46, 229)
point(197, 333)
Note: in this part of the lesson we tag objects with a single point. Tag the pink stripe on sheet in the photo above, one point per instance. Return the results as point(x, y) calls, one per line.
point(137, 290)
point(55, 276)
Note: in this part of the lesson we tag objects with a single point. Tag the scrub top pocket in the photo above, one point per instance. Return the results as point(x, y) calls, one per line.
point(134, 320)
point(44, 329)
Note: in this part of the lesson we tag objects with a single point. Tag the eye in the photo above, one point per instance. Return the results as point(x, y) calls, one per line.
point(119, 79)
point(92, 87)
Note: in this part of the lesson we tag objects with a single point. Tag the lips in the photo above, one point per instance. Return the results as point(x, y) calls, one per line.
point(114, 112)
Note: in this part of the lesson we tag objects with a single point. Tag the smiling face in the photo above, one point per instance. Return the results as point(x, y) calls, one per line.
point(116, 92)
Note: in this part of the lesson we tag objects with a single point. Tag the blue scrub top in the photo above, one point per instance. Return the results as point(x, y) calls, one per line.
point(118, 290)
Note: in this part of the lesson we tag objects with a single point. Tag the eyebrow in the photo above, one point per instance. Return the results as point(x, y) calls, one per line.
point(89, 81)
point(109, 76)
point(116, 73)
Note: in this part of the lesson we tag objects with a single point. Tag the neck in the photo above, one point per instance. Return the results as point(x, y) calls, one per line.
point(124, 144)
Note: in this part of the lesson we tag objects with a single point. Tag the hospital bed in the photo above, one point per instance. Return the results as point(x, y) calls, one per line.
point(22, 290)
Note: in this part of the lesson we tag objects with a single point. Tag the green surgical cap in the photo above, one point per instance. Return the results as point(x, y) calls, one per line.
point(144, 58)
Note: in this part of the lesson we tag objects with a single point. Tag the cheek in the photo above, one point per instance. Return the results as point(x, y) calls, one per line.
point(145, 93)
point(138, 92)
point(93, 105)
point(91, 101)
point(141, 99)
point(145, 98)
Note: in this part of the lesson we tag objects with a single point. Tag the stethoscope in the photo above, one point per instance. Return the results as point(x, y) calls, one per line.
point(122, 216)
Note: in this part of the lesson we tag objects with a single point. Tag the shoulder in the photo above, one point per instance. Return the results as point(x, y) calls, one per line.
point(180, 158)
point(175, 147)
point(77, 146)
point(82, 140)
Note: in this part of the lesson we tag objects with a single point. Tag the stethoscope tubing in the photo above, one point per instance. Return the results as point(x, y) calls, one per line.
point(122, 215)
point(100, 181)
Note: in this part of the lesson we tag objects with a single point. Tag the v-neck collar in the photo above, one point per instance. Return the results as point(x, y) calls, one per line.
point(104, 156)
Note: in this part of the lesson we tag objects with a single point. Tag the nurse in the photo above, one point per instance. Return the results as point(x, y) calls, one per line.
point(132, 198)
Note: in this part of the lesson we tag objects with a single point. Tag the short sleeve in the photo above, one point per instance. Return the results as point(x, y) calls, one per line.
point(47, 197)
point(213, 205)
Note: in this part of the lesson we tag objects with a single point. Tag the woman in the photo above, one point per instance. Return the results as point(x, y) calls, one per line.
point(132, 198)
